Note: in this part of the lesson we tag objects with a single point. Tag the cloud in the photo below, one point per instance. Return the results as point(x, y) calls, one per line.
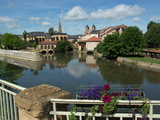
point(34, 18)
point(116, 13)
point(76, 71)
point(136, 19)
point(38, 18)
point(46, 18)
point(76, 13)
point(9, 22)
point(155, 18)
point(46, 24)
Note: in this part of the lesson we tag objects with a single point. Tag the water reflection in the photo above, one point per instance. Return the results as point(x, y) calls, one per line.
point(68, 71)
point(23, 63)
point(9, 72)
point(152, 77)
point(76, 70)
point(118, 73)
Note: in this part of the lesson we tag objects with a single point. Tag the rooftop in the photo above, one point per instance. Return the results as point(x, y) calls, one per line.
point(60, 34)
point(93, 39)
point(94, 32)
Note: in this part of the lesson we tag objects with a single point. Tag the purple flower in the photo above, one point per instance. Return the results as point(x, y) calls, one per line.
point(115, 94)
point(106, 98)
point(106, 87)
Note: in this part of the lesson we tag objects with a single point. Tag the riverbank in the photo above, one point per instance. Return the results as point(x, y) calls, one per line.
point(146, 65)
point(24, 55)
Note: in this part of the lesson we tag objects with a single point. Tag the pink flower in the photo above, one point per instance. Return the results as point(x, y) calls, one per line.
point(106, 98)
point(106, 87)
point(101, 108)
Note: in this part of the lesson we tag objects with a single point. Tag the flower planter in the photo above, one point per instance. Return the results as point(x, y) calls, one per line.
point(108, 93)
point(128, 109)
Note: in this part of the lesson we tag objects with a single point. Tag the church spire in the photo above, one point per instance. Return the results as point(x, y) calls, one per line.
point(59, 27)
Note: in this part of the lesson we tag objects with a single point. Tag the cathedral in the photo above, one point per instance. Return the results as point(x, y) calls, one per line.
point(87, 30)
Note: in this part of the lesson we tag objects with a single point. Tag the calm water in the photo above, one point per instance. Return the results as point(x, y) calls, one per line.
point(68, 71)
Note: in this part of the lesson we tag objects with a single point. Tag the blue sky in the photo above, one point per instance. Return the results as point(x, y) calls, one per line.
point(39, 15)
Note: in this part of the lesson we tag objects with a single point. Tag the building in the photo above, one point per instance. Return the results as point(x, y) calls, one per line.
point(50, 41)
point(89, 40)
point(73, 37)
point(36, 37)
point(47, 46)
point(110, 30)
point(59, 36)
point(92, 43)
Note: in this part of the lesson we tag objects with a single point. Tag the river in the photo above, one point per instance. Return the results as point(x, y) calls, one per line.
point(68, 71)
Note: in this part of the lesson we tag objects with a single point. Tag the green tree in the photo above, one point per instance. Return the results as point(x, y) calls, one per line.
point(17, 43)
point(51, 31)
point(63, 46)
point(132, 40)
point(25, 35)
point(110, 47)
point(10, 41)
point(75, 40)
point(24, 45)
point(152, 36)
point(34, 45)
point(150, 24)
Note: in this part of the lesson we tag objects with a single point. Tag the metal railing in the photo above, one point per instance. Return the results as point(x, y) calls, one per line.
point(8, 109)
point(81, 114)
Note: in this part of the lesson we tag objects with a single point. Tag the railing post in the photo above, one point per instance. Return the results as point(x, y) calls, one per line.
point(151, 112)
point(34, 103)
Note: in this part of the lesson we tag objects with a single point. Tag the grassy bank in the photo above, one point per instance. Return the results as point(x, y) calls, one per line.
point(145, 59)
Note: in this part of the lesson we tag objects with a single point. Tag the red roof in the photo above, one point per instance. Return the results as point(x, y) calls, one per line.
point(93, 39)
point(47, 42)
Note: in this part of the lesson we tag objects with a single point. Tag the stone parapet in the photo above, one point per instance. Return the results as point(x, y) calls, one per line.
point(34, 103)
point(25, 55)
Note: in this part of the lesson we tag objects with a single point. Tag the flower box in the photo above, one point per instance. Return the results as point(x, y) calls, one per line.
point(110, 94)
point(95, 92)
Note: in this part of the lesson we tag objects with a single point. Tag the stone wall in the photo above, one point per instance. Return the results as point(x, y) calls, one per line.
point(25, 55)
point(151, 66)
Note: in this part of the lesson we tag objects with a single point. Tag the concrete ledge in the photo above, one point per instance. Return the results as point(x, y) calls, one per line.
point(34, 103)
point(139, 63)
point(25, 55)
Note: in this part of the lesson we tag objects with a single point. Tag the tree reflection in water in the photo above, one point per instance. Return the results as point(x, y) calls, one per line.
point(10, 72)
point(118, 73)
point(152, 76)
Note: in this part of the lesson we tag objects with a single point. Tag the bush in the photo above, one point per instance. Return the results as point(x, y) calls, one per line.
point(63, 46)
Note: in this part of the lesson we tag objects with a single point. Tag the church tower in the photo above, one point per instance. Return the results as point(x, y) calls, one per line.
point(93, 27)
point(87, 29)
point(59, 27)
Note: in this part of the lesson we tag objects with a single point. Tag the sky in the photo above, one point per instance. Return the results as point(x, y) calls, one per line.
point(40, 15)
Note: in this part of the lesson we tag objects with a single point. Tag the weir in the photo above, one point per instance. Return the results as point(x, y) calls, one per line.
point(24, 55)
